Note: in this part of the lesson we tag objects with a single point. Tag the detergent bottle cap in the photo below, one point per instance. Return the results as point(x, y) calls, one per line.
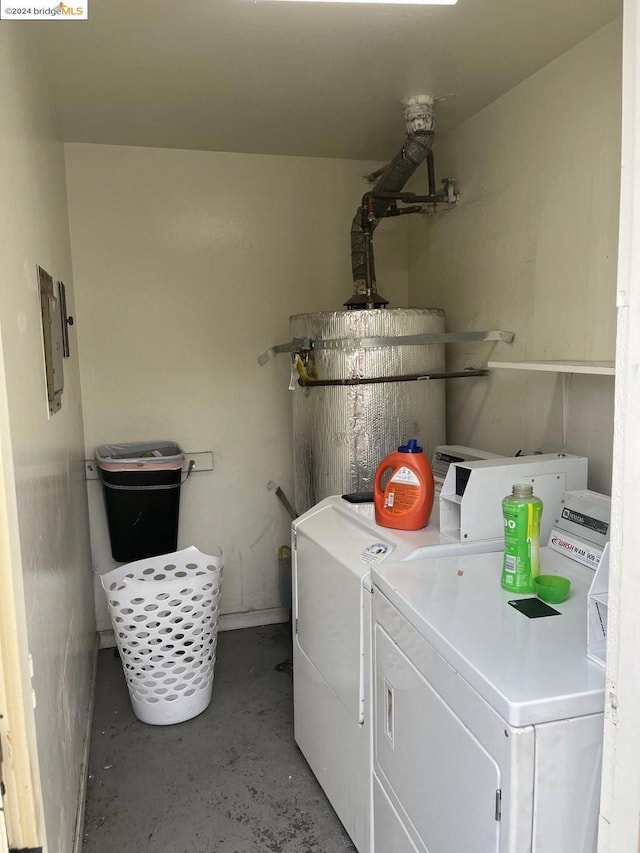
point(410, 447)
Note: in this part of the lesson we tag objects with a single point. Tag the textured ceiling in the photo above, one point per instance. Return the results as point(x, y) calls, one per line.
point(292, 78)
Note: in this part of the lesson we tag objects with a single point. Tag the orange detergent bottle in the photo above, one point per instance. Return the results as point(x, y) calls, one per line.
point(407, 499)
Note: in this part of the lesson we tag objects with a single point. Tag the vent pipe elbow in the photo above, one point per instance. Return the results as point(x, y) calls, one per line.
point(420, 125)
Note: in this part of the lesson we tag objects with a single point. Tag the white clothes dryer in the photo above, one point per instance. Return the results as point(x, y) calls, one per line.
point(488, 722)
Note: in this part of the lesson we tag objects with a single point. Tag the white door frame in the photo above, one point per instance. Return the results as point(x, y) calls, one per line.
point(22, 801)
point(20, 813)
point(4, 838)
point(620, 804)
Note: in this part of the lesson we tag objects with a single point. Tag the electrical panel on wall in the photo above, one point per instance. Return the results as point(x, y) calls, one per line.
point(65, 320)
point(53, 340)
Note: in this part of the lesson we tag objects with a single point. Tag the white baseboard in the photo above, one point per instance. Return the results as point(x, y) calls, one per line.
point(106, 639)
point(226, 622)
point(84, 764)
point(253, 618)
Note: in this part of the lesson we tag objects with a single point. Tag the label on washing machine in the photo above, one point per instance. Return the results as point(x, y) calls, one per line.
point(595, 524)
point(588, 555)
point(374, 553)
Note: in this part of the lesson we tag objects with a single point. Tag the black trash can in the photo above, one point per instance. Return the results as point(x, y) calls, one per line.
point(141, 487)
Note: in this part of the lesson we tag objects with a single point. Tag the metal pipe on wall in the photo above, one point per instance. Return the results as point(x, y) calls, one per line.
point(419, 122)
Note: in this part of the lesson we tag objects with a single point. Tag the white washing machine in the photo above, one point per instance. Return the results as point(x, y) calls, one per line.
point(335, 544)
point(446, 455)
point(488, 723)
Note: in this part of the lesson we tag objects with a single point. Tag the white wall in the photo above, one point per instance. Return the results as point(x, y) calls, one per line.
point(532, 249)
point(188, 265)
point(42, 457)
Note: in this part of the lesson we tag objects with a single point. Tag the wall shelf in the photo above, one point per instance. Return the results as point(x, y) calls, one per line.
point(602, 368)
point(567, 369)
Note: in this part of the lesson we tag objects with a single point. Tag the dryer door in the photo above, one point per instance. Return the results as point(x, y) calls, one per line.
point(441, 777)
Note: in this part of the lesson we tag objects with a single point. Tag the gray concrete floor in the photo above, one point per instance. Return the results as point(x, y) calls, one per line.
point(229, 781)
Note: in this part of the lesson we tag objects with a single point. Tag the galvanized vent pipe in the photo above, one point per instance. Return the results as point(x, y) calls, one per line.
point(420, 124)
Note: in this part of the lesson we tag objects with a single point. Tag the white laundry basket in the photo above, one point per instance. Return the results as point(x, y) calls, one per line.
point(165, 619)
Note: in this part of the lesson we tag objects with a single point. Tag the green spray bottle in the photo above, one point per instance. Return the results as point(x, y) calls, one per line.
point(522, 512)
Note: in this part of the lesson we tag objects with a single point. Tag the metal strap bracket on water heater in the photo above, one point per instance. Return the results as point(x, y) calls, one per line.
point(309, 344)
point(380, 380)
